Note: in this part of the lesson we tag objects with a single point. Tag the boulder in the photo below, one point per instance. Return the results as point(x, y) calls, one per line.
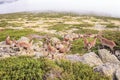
point(106, 56)
point(73, 57)
point(117, 54)
point(91, 59)
point(24, 39)
point(117, 74)
point(38, 54)
point(107, 69)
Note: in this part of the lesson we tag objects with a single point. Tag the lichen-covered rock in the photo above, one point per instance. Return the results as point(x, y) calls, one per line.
point(107, 69)
point(73, 57)
point(91, 59)
point(117, 74)
point(106, 56)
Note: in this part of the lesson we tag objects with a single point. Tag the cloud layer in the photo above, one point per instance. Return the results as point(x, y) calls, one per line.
point(93, 6)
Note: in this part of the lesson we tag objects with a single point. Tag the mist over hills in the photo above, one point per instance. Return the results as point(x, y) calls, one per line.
point(102, 7)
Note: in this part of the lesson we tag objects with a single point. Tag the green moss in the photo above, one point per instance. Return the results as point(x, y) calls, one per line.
point(78, 47)
point(79, 71)
point(27, 68)
point(24, 68)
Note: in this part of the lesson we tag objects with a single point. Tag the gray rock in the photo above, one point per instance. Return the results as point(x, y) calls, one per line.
point(106, 56)
point(117, 74)
point(39, 54)
point(24, 39)
point(2, 43)
point(91, 59)
point(117, 54)
point(73, 57)
point(55, 40)
point(107, 69)
point(37, 46)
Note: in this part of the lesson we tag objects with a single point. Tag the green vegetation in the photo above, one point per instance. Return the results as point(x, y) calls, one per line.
point(27, 68)
point(59, 27)
point(78, 46)
point(3, 23)
point(78, 26)
point(15, 33)
point(15, 24)
point(112, 26)
point(86, 31)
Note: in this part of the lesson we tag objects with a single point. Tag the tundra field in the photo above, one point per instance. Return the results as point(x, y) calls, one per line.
point(70, 30)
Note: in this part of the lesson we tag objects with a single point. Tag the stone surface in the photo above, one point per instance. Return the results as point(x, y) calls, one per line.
point(39, 54)
point(117, 74)
point(117, 54)
point(91, 59)
point(106, 56)
point(107, 69)
point(54, 40)
point(24, 39)
point(73, 57)
point(37, 46)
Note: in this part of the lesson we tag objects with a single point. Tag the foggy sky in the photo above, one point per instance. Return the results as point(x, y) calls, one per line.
point(110, 7)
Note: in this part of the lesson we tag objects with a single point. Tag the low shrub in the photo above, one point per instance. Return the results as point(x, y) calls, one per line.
point(27, 68)
point(79, 71)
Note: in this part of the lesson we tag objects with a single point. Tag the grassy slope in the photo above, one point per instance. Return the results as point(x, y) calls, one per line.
point(26, 67)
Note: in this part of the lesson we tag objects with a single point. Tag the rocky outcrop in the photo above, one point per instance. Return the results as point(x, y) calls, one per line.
point(107, 69)
point(106, 56)
point(110, 66)
point(91, 59)
point(73, 57)
point(10, 50)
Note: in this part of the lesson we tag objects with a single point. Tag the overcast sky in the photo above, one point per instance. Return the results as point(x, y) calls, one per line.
point(110, 7)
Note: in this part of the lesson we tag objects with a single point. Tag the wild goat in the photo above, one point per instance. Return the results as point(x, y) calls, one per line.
point(51, 49)
point(8, 40)
point(62, 47)
point(24, 44)
point(105, 42)
point(67, 37)
point(85, 42)
point(92, 43)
